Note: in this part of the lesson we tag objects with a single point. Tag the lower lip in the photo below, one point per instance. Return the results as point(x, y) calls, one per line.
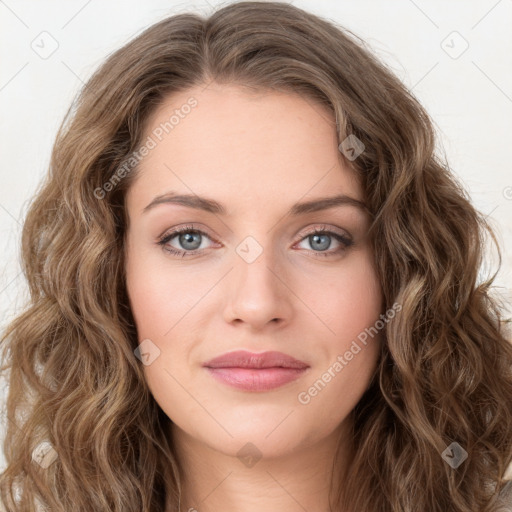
point(250, 379)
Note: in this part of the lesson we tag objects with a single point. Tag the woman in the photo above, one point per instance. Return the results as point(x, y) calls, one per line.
point(254, 287)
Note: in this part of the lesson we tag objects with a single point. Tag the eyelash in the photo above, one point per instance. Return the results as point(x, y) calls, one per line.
point(167, 237)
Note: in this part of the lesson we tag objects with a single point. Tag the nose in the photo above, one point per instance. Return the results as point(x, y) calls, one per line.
point(258, 293)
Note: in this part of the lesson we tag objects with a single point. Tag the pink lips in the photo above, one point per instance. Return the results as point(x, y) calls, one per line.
point(255, 372)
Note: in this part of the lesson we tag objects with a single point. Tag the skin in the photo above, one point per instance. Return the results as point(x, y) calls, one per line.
point(257, 153)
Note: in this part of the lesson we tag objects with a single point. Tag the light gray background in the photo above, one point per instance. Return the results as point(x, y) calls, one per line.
point(467, 91)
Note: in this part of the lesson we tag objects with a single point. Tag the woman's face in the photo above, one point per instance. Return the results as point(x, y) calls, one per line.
point(256, 279)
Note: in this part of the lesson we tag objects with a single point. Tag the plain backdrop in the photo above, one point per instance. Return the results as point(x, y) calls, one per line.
point(455, 56)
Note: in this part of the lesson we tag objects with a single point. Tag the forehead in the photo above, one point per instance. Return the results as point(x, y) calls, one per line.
point(244, 147)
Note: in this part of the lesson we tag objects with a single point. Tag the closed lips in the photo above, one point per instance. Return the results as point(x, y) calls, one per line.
point(251, 360)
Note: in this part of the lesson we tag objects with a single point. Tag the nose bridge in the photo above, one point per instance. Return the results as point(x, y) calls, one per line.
point(255, 262)
point(257, 293)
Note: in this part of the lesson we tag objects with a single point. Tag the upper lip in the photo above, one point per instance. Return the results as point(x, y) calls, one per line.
point(245, 359)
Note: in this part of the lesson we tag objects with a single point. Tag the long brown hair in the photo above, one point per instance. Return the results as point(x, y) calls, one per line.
point(444, 373)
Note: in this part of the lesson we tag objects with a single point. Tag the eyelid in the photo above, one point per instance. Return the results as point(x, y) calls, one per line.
point(188, 226)
point(324, 228)
point(171, 233)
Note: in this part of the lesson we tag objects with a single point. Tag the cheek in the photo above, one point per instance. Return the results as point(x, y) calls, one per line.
point(158, 299)
point(331, 394)
point(351, 306)
point(347, 299)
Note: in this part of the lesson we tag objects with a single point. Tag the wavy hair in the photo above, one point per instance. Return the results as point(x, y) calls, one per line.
point(445, 369)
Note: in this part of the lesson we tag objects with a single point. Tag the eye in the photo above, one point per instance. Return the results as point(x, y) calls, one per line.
point(321, 239)
point(189, 241)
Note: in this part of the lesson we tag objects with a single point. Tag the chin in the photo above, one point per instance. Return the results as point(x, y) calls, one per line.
point(256, 445)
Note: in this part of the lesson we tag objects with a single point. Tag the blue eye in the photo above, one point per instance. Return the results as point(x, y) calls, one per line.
point(190, 239)
point(321, 240)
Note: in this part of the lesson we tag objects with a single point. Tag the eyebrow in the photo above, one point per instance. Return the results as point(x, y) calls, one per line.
point(212, 206)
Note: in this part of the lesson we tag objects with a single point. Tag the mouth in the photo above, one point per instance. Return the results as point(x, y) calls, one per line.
point(255, 372)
